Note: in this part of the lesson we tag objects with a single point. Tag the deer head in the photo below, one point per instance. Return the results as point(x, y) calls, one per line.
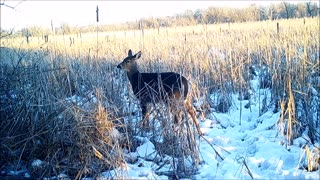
point(129, 63)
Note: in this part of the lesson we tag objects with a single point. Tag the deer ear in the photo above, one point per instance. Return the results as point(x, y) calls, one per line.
point(138, 55)
point(130, 53)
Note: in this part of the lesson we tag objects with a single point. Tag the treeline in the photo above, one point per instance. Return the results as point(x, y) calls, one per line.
point(209, 15)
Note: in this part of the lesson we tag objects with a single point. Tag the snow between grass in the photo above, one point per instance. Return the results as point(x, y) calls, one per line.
point(256, 141)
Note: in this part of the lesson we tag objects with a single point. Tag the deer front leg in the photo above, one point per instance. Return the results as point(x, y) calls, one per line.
point(176, 111)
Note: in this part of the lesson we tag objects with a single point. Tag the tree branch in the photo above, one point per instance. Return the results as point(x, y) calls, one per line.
point(11, 7)
point(3, 4)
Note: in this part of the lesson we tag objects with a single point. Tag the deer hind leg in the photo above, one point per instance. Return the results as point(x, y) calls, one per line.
point(145, 117)
point(192, 113)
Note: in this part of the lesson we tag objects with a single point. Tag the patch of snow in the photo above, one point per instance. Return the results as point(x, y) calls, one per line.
point(247, 139)
point(36, 163)
point(146, 150)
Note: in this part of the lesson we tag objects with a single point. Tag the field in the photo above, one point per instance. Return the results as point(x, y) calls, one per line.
point(66, 110)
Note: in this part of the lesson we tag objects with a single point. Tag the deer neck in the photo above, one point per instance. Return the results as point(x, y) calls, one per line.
point(132, 75)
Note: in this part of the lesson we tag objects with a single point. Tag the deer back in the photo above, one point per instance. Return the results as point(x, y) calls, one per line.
point(155, 87)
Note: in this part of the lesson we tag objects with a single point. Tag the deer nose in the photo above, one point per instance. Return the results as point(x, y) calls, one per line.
point(119, 66)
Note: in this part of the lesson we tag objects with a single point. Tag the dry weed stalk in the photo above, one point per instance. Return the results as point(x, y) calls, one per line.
point(309, 159)
point(287, 121)
point(243, 162)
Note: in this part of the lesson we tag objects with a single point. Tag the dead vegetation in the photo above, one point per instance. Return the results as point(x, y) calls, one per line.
point(69, 107)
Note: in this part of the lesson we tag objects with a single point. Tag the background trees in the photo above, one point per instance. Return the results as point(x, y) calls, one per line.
point(211, 15)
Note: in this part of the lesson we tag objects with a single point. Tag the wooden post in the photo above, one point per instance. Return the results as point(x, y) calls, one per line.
point(97, 19)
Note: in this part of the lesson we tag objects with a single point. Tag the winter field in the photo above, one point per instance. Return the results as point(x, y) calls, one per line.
point(67, 112)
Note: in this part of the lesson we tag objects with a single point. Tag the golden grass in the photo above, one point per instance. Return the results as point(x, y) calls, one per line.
point(201, 52)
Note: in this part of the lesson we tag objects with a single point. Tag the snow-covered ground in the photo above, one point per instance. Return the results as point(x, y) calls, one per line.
point(252, 149)
point(251, 145)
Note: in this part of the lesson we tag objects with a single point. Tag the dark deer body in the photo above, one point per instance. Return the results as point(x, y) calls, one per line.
point(156, 87)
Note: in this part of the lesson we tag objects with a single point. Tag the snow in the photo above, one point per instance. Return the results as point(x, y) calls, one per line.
point(146, 150)
point(249, 144)
point(36, 163)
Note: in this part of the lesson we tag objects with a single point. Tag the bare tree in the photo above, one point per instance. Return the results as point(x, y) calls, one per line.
point(290, 9)
point(267, 12)
point(311, 8)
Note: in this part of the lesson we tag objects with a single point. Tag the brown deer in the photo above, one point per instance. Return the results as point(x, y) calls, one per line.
point(157, 87)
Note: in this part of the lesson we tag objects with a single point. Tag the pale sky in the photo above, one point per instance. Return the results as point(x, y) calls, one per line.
point(81, 13)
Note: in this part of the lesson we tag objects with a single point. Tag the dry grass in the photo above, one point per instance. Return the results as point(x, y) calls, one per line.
point(42, 119)
point(38, 78)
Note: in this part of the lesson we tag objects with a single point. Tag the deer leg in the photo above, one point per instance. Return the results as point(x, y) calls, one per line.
point(178, 116)
point(192, 113)
point(145, 117)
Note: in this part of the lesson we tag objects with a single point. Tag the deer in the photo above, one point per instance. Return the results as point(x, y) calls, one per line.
point(151, 88)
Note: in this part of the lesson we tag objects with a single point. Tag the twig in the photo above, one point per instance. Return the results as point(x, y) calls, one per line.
point(211, 144)
point(214, 148)
point(163, 164)
point(18, 4)
point(3, 4)
point(12, 7)
point(245, 164)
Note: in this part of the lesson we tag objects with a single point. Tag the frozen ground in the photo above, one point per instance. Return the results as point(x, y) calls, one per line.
point(254, 147)
point(251, 146)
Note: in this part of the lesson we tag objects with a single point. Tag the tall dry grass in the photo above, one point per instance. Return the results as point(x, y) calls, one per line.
point(40, 80)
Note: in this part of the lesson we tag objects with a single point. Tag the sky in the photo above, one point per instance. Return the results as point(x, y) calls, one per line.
point(80, 13)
